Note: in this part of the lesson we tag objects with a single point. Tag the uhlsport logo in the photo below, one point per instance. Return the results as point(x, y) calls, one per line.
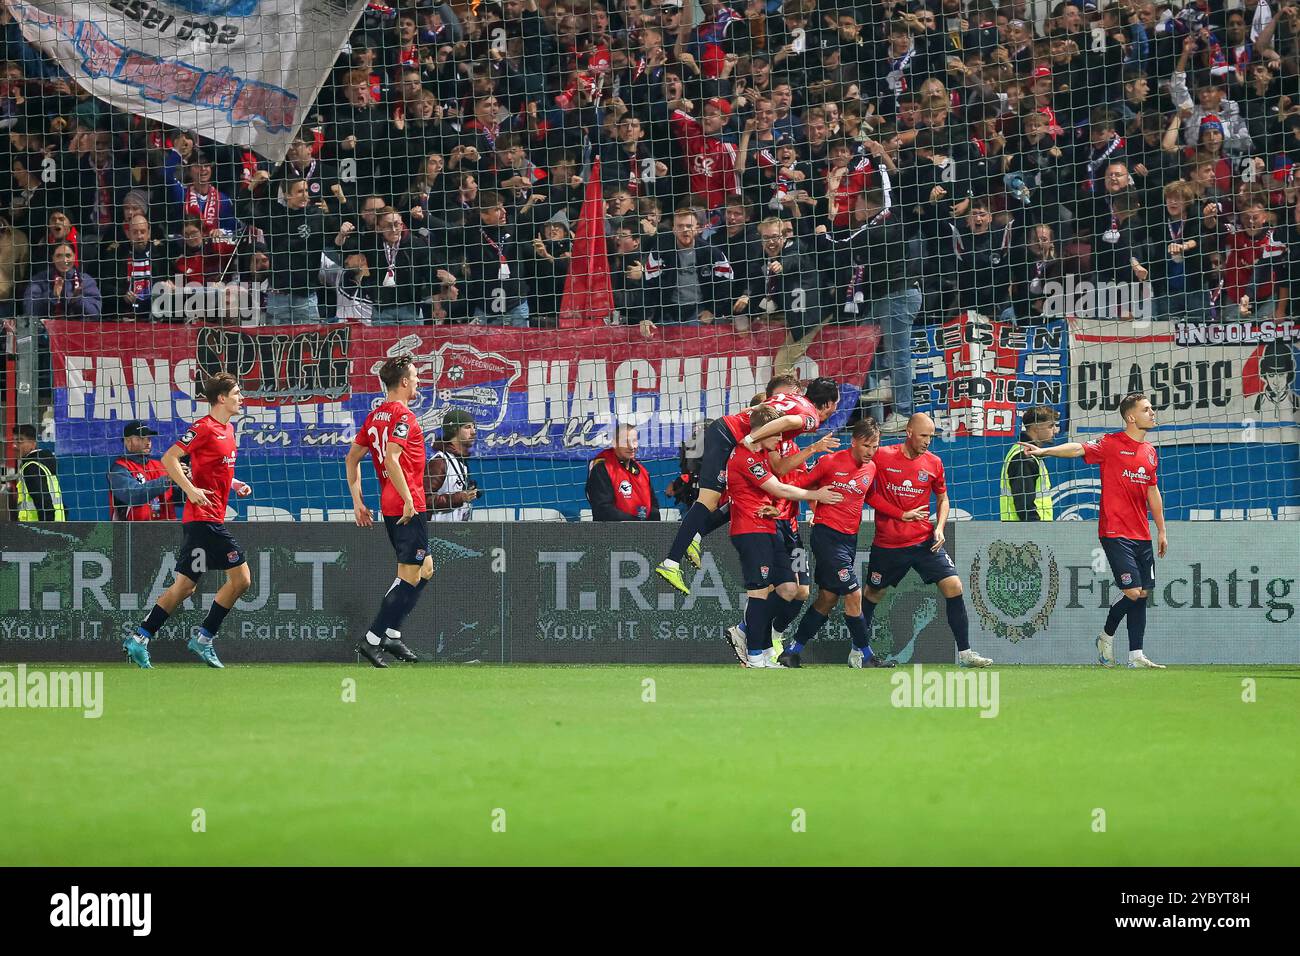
point(1083, 299)
point(1008, 588)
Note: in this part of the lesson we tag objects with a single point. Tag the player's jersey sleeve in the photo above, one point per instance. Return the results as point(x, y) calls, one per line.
point(756, 471)
point(940, 484)
point(195, 437)
point(813, 476)
point(1094, 452)
point(404, 430)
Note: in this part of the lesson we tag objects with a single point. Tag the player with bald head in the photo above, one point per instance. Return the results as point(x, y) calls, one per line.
point(906, 476)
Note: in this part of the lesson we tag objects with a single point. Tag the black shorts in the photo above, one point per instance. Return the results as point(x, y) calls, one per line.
point(887, 566)
point(411, 540)
point(836, 554)
point(763, 560)
point(719, 443)
point(207, 546)
point(788, 534)
point(1132, 563)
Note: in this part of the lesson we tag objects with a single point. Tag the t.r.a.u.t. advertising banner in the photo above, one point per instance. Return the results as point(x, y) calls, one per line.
point(533, 394)
point(974, 376)
point(1208, 382)
point(243, 72)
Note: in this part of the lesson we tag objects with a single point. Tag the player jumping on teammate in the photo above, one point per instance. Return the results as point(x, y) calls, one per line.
point(392, 437)
point(906, 476)
point(207, 544)
point(764, 562)
point(1128, 489)
point(796, 414)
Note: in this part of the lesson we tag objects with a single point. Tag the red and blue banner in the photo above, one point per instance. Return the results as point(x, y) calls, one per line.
point(550, 394)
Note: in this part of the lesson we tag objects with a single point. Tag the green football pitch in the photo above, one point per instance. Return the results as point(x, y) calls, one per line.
point(479, 764)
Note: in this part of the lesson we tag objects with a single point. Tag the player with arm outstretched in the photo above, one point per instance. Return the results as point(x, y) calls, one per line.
point(207, 544)
point(1128, 489)
point(764, 562)
point(393, 439)
point(834, 541)
point(906, 476)
point(796, 414)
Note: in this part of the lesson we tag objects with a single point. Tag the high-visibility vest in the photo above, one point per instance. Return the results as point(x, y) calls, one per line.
point(27, 504)
point(1042, 490)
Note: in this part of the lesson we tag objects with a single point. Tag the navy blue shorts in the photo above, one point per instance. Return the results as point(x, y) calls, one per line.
point(411, 540)
point(789, 537)
point(1132, 563)
point(763, 560)
point(887, 566)
point(836, 554)
point(207, 546)
point(719, 443)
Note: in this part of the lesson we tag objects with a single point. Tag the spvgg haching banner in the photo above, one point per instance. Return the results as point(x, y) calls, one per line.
point(1208, 382)
point(242, 72)
point(533, 394)
point(974, 376)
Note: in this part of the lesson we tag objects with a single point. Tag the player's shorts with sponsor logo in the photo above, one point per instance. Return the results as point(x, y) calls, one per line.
point(788, 534)
point(836, 554)
point(207, 546)
point(887, 566)
point(763, 560)
point(1132, 563)
point(411, 540)
point(719, 443)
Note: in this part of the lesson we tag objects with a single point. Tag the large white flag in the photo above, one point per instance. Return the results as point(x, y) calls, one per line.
point(241, 72)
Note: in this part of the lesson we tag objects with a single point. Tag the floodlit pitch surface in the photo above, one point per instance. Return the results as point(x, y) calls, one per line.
point(478, 764)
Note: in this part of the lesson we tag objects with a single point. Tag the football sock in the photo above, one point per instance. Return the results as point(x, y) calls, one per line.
point(1137, 623)
point(860, 634)
point(1117, 611)
point(716, 520)
point(157, 617)
point(786, 611)
point(808, 628)
point(392, 609)
point(958, 622)
point(758, 620)
point(868, 612)
point(695, 521)
point(216, 614)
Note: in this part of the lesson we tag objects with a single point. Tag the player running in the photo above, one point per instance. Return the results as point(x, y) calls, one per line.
point(206, 544)
point(765, 564)
point(393, 439)
point(1128, 488)
point(834, 540)
point(906, 476)
point(796, 414)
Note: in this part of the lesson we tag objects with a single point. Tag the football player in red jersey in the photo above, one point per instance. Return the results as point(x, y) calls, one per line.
point(834, 542)
point(1128, 488)
point(393, 439)
point(207, 544)
point(765, 564)
point(906, 476)
point(798, 414)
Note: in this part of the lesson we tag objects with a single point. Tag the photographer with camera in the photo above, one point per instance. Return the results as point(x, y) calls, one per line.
point(447, 484)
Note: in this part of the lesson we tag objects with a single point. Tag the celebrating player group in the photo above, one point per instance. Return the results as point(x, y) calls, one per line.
point(752, 477)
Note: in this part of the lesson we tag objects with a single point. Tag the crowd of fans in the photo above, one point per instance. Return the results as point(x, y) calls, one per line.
point(795, 162)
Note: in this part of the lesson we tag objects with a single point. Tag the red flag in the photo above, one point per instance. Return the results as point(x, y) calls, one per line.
point(588, 297)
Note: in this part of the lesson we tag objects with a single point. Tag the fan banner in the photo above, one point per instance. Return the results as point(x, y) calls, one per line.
point(534, 394)
point(242, 72)
point(1208, 382)
point(974, 375)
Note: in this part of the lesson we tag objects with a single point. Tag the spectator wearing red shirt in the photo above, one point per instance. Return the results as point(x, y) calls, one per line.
point(207, 544)
point(906, 476)
point(1128, 489)
point(764, 563)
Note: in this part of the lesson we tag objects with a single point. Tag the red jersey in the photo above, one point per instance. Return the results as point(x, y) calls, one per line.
point(842, 472)
point(906, 483)
point(394, 423)
point(738, 424)
point(211, 447)
point(857, 179)
point(1244, 254)
point(747, 470)
point(1128, 469)
point(710, 162)
point(788, 506)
